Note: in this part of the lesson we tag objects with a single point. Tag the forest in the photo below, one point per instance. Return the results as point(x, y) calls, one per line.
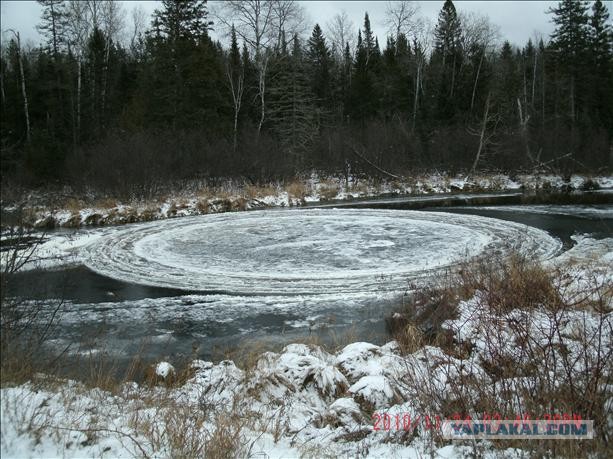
point(271, 96)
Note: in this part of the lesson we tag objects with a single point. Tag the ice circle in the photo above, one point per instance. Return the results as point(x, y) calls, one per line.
point(305, 251)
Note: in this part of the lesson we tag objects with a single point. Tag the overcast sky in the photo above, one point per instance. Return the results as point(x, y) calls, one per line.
point(518, 20)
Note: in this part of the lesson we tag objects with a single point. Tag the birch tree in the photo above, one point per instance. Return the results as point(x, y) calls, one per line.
point(341, 31)
point(24, 93)
point(402, 18)
point(112, 25)
point(479, 37)
point(260, 24)
point(235, 73)
point(79, 27)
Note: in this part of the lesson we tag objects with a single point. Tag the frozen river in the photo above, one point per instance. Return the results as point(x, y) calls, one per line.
point(197, 285)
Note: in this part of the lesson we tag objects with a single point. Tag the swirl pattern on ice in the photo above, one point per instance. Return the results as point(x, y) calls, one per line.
point(304, 251)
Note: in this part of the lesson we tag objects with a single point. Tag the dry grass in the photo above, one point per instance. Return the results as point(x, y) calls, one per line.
point(545, 379)
point(297, 189)
point(203, 205)
point(105, 203)
point(73, 205)
point(247, 353)
point(260, 191)
point(329, 189)
point(360, 187)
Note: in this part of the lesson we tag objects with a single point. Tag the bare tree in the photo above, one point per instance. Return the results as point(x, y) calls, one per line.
point(402, 18)
point(480, 36)
point(22, 77)
point(341, 32)
point(2, 93)
point(260, 24)
point(235, 72)
point(288, 17)
point(485, 133)
point(139, 20)
point(112, 24)
point(78, 30)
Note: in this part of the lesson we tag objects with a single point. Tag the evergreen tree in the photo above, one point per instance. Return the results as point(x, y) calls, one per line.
point(364, 98)
point(447, 60)
point(507, 84)
point(396, 77)
point(53, 23)
point(319, 62)
point(447, 33)
point(187, 68)
point(291, 104)
point(600, 39)
point(600, 36)
point(182, 20)
point(570, 41)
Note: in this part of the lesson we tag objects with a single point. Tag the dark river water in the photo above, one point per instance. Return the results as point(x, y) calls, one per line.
point(105, 316)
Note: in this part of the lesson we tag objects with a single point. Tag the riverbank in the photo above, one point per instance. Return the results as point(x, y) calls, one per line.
point(62, 209)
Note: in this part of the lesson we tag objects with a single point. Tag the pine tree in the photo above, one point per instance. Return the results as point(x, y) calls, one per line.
point(507, 84)
point(570, 41)
point(369, 39)
point(319, 62)
point(447, 59)
point(447, 33)
point(600, 36)
point(395, 77)
point(53, 24)
point(291, 102)
point(600, 40)
point(182, 20)
point(187, 75)
point(364, 98)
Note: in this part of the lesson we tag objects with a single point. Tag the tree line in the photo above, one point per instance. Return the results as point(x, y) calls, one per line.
point(168, 102)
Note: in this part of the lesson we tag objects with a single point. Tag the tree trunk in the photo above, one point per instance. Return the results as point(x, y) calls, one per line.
point(533, 79)
point(523, 126)
point(23, 87)
point(543, 91)
point(482, 139)
point(262, 93)
point(452, 76)
point(472, 99)
point(237, 98)
point(79, 82)
point(3, 95)
point(416, 99)
point(105, 76)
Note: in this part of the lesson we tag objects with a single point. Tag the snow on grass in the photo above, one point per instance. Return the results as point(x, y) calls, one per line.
point(197, 199)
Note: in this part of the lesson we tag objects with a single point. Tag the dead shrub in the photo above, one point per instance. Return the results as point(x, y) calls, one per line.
point(73, 205)
point(254, 191)
point(523, 355)
point(328, 189)
point(105, 203)
point(203, 206)
point(297, 189)
point(516, 282)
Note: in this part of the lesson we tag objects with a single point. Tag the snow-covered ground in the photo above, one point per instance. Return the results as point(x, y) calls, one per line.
point(305, 401)
point(39, 211)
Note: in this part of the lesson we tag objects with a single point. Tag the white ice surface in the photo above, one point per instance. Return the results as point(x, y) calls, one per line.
point(304, 251)
point(585, 211)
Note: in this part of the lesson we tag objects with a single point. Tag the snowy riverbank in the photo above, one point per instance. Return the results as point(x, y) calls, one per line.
point(62, 209)
point(306, 401)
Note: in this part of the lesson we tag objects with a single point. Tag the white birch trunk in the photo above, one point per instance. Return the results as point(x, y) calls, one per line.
point(23, 87)
point(482, 139)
